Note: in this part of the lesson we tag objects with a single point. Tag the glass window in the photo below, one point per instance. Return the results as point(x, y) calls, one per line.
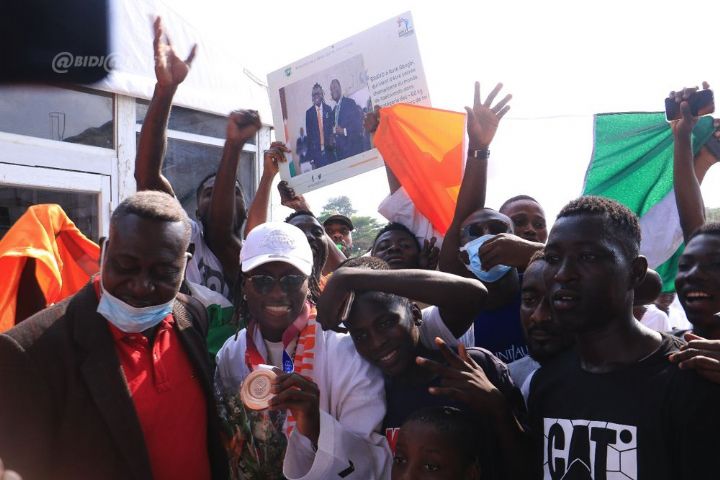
point(58, 114)
point(190, 121)
point(186, 164)
point(82, 208)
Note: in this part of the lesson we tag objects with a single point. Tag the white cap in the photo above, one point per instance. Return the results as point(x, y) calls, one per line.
point(276, 242)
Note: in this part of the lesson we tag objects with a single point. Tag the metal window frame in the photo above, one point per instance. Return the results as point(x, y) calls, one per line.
point(113, 168)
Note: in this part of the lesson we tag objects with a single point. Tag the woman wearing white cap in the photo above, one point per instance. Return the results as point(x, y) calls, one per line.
point(334, 400)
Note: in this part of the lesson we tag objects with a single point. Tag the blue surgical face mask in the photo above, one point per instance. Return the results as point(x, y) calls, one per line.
point(125, 317)
point(475, 266)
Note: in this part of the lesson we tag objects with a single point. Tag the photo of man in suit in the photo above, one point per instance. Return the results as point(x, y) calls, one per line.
point(347, 128)
point(319, 123)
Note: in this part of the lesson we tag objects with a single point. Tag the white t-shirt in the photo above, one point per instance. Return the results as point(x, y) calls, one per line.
point(275, 352)
point(678, 317)
point(655, 318)
point(204, 268)
point(434, 326)
point(398, 207)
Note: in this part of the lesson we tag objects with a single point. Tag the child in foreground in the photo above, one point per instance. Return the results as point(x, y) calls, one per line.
point(438, 443)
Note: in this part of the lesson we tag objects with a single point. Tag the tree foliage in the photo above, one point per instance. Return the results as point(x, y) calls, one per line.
point(338, 205)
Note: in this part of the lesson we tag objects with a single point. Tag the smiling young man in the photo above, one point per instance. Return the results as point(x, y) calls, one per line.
point(115, 381)
point(390, 332)
point(614, 405)
point(698, 276)
point(698, 281)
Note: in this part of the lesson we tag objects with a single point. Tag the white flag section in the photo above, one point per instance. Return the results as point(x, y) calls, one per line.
point(661, 232)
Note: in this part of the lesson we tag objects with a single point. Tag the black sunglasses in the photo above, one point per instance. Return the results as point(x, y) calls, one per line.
point(494, 227)
point(264, 284)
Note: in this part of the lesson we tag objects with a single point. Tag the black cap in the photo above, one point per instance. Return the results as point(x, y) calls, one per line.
point(339, 219)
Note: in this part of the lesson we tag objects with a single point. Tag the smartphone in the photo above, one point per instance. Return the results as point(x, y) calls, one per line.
point(701, 103)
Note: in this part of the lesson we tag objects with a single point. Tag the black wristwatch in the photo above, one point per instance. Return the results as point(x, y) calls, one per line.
point(481, 154)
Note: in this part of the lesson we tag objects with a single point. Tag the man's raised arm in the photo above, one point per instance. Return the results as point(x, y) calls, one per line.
point(170, 71)
point(220, 233)
point(482, 123)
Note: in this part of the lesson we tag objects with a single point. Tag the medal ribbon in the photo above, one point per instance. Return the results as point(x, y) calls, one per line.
point(253, 358)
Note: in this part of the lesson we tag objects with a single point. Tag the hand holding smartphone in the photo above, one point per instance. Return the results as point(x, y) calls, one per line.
point(701, 103)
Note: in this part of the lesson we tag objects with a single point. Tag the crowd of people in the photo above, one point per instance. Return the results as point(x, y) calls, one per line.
point(500, 349)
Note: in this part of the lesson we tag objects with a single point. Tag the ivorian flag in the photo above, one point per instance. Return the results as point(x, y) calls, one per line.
point(424, 149)
point(632, 163)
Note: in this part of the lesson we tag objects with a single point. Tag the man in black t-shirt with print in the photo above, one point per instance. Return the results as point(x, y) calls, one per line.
point(614, 407)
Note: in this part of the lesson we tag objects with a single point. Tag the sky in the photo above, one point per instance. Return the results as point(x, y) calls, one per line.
point(562, 62)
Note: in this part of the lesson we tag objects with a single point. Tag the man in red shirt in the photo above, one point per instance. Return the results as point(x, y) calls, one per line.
point(115, 382)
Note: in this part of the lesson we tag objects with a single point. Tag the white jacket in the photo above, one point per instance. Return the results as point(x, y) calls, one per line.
point(352, 408)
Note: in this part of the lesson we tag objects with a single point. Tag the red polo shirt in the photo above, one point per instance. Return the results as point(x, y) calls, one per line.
point(168, 399)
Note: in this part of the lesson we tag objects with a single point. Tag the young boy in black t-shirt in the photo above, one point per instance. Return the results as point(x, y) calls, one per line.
point(614, 407)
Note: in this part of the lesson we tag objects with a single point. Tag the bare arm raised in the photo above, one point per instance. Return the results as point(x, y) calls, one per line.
point(221, 229)
point(170, 71)
point(688, 195)
point(482, 123)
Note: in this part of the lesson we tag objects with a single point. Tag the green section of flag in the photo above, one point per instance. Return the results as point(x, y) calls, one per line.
point(220, 327)
point(632, 158)
point(632, 163)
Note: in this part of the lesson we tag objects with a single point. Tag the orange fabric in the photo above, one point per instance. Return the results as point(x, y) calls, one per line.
point(65, 258)
point(424, 149)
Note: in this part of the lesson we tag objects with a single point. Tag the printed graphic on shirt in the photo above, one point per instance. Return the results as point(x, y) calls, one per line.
point(212, 279)
point(392, 436)
point(589, 450)
point(512, 353)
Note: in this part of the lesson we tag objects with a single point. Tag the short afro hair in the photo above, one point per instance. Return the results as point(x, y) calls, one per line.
point(395, 226)
point(201, 185)
point(712, 228)
point(300, 213)
point(374, 263)
point(461, 429)
point(516, 198)
point(539, 255)
point(153, 205)
point(617, 218)
point(368, 263)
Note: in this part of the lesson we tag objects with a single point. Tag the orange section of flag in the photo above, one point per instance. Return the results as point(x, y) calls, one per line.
point(65, 258)
point(424, 149)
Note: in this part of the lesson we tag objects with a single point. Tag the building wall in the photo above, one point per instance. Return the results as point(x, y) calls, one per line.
point(77, 147)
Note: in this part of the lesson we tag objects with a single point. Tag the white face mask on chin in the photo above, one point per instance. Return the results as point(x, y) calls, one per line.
point(125, 317)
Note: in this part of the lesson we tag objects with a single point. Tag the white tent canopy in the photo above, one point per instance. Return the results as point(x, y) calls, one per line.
point(218, 83)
